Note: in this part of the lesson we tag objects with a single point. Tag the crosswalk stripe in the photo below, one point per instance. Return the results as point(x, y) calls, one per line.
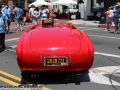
point(16, 27)
point(12, 39)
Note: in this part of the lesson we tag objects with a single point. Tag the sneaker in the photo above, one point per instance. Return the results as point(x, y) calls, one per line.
point(115, 32)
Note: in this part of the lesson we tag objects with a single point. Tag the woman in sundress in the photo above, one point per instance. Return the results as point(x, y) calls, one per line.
point(109, 19)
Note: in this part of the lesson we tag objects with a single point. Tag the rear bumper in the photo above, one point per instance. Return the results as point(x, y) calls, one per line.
point(77, 67)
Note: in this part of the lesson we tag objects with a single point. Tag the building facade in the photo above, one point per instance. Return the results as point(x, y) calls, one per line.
point(23, 3)
point(89, 5)
point(96, 5)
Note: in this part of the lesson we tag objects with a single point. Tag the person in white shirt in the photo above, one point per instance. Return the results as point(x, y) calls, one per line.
point(36, 16)
point(31, 11)
point(44, 13)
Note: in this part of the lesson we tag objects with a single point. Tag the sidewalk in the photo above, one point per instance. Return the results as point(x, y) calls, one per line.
point(88, 23)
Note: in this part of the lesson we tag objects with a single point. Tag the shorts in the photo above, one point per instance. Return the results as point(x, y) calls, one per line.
point(24, 19)
point(110, 20)
point(8, 21)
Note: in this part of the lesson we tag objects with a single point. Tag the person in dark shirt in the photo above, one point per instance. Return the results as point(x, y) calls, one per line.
point(24, 15)
point(16, 13)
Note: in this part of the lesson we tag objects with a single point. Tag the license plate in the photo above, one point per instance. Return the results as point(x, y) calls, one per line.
point(60, 61)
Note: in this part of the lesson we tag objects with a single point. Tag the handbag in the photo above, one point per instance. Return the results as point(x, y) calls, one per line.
point(48, 21)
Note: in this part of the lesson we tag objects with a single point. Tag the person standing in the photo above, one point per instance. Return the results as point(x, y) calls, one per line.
point(44, 13)
point(109, 18)
point(36, 16)
point(16, 13)
point(7, 11)
point(31, 11)
point(3, 28)
point(24, 15)
point(116, 11)
point(12, 15)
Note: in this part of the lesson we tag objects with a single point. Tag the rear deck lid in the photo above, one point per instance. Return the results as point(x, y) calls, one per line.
point(55, 41)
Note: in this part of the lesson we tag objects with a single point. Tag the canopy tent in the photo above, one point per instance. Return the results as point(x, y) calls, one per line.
point(64, 2)
point(39, 3)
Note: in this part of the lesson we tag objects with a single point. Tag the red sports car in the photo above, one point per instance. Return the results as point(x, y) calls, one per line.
point(60, 47)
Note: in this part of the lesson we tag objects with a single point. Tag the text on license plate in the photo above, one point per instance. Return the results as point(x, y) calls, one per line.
point(56, 61)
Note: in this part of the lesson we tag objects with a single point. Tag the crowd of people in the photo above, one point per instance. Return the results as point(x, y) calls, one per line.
point(37, 14)
point(17, 14)
point(112, 16)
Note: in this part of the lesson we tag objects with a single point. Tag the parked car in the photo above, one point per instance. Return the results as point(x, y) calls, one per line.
point(72, 9)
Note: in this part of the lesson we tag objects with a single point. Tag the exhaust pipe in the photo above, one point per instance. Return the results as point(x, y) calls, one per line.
point(78, 74)
point(33, 76)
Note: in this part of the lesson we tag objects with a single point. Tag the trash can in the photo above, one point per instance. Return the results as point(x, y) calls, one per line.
point(78, 15)
point(102, 19)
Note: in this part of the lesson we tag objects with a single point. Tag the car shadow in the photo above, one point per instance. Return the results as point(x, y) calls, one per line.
point(118, 47)
point(56, 78)
point(112, 32)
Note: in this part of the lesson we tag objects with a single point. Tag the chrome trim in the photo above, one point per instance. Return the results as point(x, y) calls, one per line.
point(56, 57)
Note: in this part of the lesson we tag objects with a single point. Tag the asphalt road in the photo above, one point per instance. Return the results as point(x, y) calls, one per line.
point(104, 74)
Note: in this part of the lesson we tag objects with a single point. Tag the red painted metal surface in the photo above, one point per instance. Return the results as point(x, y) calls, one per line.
point(61, 40)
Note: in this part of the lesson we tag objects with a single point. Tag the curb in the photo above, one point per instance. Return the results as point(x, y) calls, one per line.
point(85, 24)
point(92, 25)
point(104, 26)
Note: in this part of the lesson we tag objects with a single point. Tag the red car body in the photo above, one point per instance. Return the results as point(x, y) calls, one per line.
point(62, 47)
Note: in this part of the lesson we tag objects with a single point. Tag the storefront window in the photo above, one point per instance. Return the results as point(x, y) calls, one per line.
point(102, 4)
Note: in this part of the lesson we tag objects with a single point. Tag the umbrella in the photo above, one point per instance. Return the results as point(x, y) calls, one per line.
point(64, 2)
point(39, 3)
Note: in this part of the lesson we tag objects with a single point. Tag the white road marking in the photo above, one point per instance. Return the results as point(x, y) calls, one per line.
point(106, 54)
point(23, 26)
point(97, 76)
point(90, 29)
point(14, 46)
point(81, 27)
point(113, 69)
point(87, 28)
point(104, 36)
point(12, 39)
